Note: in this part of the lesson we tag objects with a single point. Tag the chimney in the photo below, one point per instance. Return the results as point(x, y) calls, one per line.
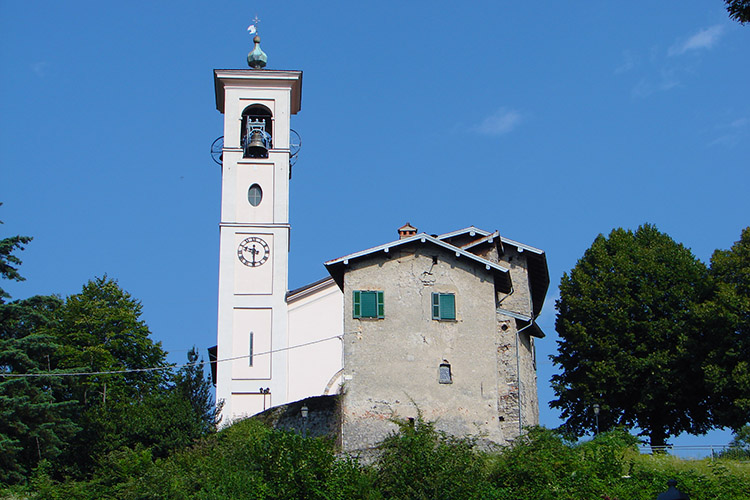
point(406, 230)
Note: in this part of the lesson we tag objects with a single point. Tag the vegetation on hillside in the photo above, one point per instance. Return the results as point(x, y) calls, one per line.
point(251, 461)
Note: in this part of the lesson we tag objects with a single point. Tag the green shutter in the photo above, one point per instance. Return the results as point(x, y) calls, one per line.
point(357, 309)
point(447, 306)
point(369, 305)
point(435, 306)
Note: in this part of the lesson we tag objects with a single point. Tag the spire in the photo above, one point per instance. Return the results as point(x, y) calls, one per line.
point(257, 58)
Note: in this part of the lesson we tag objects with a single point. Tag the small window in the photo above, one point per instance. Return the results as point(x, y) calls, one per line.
point(443, 306)
point(250, 354)
point(368, 304)
point(254, 195)
point(445, 376)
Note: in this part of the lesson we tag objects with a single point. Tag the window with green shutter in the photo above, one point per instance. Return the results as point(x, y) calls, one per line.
point(443, 306)
point(368, 304)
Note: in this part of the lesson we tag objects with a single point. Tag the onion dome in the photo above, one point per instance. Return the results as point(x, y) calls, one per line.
point(257, 58)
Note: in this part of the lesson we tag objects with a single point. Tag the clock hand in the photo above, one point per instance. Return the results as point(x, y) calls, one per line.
point(254, 252)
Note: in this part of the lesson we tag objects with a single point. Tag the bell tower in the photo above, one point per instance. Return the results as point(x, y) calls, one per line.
point(254, 234)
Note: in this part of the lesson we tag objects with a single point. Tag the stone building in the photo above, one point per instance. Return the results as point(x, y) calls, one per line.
point(443, 325)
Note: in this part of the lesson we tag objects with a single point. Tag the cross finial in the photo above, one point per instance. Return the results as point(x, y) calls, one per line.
point(253, 28)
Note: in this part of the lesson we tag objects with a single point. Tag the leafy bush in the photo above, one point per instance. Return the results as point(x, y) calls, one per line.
point(251, 460)
point(419, 462)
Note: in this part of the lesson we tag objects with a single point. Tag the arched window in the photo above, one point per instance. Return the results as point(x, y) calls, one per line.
point(254, 195)
point(256, 131)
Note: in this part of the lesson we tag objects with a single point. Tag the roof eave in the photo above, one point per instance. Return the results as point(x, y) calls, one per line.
point(293, 79)
point(336, 267)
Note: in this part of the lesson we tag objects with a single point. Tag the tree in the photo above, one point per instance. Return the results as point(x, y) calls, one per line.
point(739, 448)
point(8, 260)
point(739, 10)
point(626, 319)
point(193, 386)
point(100, 330)
point(34, 425)
point(726, 326)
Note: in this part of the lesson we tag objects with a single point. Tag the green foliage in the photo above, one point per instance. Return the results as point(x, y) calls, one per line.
point(250, 460)
point(246, 460)
point(739, 448)
point(419, 462)
point(542, 465)
point(626, 320)
point(8, 261)
point(726, 335)
point(739, 10)
point(99, 330)
point(35, 423)
point(194, 386)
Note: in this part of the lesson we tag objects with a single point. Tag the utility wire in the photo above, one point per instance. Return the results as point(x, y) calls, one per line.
point(167, 367)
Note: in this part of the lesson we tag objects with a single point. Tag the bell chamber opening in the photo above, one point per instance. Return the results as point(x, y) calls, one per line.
point(256, 131)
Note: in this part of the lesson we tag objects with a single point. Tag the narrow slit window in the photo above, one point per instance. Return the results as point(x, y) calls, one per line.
point(250, 351)
point(254, 195)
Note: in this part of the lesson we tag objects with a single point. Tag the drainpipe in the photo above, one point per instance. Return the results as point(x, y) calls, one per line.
point(518, 374)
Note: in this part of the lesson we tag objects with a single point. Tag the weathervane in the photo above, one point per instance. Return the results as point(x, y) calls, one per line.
point(252, 29)
point(257, 58)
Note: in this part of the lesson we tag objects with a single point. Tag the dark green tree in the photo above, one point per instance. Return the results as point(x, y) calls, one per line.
point(739, 10)
point(194, 386)
point(34, 424)
point(164, 421)
point(9, 262)
point(726, 335)
point(626, 320)
point(101, 330)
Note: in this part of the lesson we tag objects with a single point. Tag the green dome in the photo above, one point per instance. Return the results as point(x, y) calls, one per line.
point(257, 59)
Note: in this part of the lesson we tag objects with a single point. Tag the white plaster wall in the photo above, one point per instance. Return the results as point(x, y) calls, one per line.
point(315, 317)
point(262, 288)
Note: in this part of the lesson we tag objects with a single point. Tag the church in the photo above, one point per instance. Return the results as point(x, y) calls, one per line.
point(441, 324)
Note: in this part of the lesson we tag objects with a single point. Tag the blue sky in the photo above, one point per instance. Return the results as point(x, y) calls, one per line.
point(549, 121)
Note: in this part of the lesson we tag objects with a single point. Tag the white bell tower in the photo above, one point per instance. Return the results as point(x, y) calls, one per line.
point(254, 235)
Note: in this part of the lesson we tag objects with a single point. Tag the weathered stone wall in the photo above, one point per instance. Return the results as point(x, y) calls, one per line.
point(323, 417)
point(391, 365)
point(519, 300)
point(510, 360)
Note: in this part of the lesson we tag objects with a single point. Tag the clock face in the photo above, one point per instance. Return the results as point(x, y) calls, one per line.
point(253, 251)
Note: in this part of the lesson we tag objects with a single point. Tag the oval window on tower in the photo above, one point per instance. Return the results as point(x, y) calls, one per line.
point(254, 195)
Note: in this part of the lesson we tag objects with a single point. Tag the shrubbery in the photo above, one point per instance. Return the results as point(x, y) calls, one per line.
point(250, 460)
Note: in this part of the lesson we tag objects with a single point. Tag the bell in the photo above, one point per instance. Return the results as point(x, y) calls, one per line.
point(256, 148)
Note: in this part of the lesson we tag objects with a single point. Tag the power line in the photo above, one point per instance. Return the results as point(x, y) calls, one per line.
point(167, 367)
